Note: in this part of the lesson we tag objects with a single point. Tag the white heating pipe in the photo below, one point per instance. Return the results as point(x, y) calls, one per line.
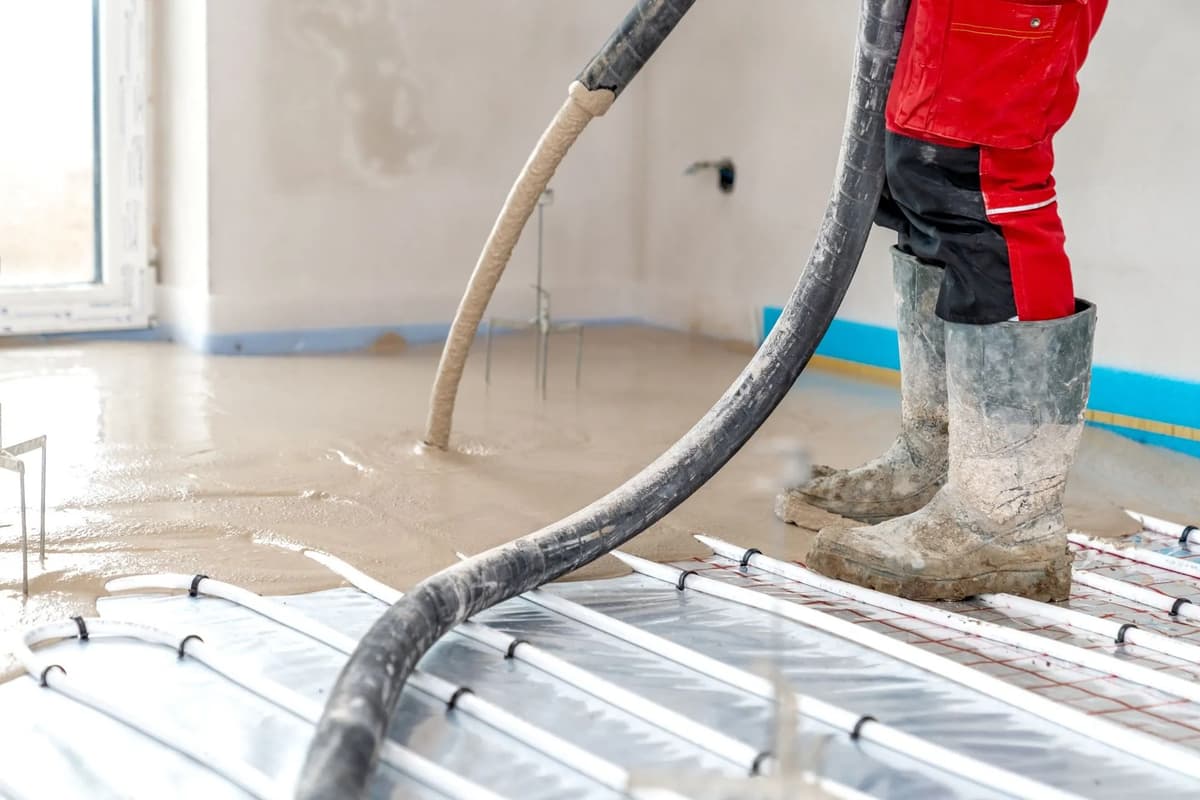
point(380, 590)
point(1181, 533)
point(1138, 554)
point(239, 773)
point(422, 769)
point(1149, 748)
point(1181, 607)
point(598, 769)
point(866, 729)
point(737, 752)
point(1108, 628)
point(1090, 659)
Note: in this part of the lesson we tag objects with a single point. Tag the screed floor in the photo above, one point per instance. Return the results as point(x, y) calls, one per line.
point(162, 459)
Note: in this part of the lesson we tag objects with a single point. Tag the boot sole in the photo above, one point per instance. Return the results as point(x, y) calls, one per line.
point(1046, 580)
point(899, 508)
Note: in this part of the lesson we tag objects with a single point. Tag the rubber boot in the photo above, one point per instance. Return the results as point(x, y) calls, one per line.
point(1017, 391)
point(905, 477)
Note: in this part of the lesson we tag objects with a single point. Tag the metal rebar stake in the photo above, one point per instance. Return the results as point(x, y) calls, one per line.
point(541, 321)
point(11, 462)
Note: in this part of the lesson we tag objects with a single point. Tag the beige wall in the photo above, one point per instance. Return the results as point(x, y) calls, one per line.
point(765, 84)
point(336, 163)
point(359, 153)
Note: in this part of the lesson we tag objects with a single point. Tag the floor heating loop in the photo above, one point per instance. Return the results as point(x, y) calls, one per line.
point(1148, 748)
point(460, 698)
point(53, 676)
point(191, 645)
point(1080, 656)
point(859, 727)
point(1138, 554)
point(737, 752)
point(387, 594)
point(1175, 606)
point(1112, 630)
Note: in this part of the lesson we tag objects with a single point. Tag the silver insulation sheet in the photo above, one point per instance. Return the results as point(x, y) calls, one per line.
point(52, 747)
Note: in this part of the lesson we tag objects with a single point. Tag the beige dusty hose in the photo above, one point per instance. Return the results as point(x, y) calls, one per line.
point(582, 104)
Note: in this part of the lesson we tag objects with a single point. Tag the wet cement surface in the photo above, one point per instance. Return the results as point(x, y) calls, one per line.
point(164, 460)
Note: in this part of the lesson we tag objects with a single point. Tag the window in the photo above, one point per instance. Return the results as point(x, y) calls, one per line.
point(73, 166)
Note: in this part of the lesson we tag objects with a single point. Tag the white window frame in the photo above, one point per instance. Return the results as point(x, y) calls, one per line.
point(123, 297)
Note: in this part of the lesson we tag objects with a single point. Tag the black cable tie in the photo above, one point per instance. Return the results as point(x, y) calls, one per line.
point(194, 589)
point(512, 647)
point(856, 731)
point(1180, 602)
point(46, 672)
point(83, 631)
point(1123, 630)
point(459, 692)
point(753, 551)
point(183, 642)
point(683, 576)
point(756, 765)
point(1187, 531)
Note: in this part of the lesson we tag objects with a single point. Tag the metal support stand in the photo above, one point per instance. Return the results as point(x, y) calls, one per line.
point(10, 461)
point(541, 320)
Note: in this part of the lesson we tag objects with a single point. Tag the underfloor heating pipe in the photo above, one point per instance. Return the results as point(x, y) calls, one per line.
point(1140, 745)
point(356, 717)
point(760, 762)
point(54, 676)
point(1182, 533)
point(1138, 555)
point(749, 759)
point(1112, 629)
point(460, 698)
point(191, 645)
point(1179, 607)
point(1024, 640)
point(861, 728)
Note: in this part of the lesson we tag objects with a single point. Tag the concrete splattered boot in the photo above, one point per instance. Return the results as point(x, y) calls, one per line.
point(905, 477)
point(1017, 392)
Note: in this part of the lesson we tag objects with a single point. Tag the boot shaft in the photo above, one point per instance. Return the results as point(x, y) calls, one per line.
point(1017, 392)
point(922, 346)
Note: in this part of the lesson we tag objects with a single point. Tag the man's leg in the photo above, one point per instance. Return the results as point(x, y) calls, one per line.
point(913, 468)
point(1016, 390)
point(1020, 201)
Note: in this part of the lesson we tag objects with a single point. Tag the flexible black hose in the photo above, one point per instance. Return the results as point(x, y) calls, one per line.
point(644, 28)
point(356, 716)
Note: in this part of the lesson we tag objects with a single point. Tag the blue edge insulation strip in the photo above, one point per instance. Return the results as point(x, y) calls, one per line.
point(310, 341)
point(1149, 397)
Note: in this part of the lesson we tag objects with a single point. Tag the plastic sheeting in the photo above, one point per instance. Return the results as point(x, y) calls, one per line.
point(50, 747)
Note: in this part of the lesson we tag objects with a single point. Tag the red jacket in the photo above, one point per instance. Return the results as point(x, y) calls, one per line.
point(996, 73)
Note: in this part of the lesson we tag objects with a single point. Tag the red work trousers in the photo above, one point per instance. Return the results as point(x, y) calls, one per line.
point(997, 79)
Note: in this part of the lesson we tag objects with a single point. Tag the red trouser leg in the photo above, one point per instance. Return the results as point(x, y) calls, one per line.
point(1018, 194)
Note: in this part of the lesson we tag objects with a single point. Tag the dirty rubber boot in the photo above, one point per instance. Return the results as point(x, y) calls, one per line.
point(905, 477)
point(1017, 391)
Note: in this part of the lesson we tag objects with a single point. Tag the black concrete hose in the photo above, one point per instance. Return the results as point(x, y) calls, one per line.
point(356, 716)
